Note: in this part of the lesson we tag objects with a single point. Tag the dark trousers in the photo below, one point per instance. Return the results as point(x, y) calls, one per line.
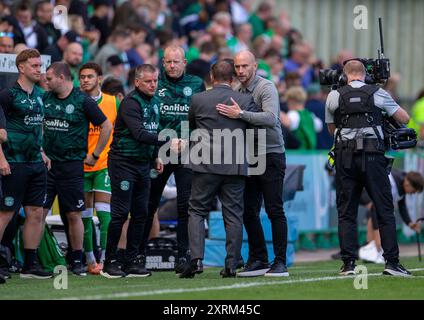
point(130, 182)
point(270, 186)
point(229, 188)
point(350, 181)
point(183, 178)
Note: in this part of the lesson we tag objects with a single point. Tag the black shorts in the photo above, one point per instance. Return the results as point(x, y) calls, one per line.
point(25, 186)
point(66, 180)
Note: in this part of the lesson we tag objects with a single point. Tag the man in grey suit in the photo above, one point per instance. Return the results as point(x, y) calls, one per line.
point(218, 168)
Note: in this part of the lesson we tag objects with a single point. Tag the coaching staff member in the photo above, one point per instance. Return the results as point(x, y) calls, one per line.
point(133, 147)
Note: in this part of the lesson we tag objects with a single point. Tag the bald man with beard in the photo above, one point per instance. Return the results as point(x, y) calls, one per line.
point(73, 57)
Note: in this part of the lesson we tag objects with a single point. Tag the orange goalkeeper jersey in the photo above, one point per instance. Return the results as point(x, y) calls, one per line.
point(109, 106)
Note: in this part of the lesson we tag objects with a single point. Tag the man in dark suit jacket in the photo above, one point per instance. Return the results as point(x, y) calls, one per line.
point(218, 168)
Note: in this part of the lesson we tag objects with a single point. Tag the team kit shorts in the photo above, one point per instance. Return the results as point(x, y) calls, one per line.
point(97, 181)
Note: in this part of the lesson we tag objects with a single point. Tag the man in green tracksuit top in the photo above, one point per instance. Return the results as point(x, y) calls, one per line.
point(134, 146)
point(68, 112)
point(175, 89)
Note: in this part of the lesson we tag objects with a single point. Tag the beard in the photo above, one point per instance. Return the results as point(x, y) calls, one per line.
point(73, 64)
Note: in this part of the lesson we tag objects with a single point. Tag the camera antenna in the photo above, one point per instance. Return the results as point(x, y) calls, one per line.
point(381, 40)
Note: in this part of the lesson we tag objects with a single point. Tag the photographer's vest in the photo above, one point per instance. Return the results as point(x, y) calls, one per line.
point(357, 110)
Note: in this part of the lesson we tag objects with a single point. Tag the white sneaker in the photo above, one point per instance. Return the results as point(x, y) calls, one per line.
point(369, 252)
point(380, 259)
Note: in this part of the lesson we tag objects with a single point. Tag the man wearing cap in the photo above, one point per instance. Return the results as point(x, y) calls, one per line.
point(116, 68)
point(56, 49)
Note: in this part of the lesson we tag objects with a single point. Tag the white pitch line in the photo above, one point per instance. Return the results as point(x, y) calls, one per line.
point(233, 286)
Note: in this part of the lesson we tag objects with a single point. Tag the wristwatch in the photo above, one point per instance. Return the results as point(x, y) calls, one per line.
point(241, 113)
point(94, 156)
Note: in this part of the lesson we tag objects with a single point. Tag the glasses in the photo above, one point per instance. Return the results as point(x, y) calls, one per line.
point(6, 34)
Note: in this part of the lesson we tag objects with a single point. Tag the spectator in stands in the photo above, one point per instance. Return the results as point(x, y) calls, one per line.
point(240, 10)
point(129, 12)
point(271, 66)
point(260, 45)
point(7, 23)
point(299, 62)
point(223, 20)
point(241, 39)
point(119, 42)
point(138, 36)
point(302, 122)
point(19, 48)
point(56, 49)
point(5, 8)
point(316, 105)
point(6, 42)
point(115, 68)
point(29, 31)
point(259, 17)
point(391, 86)
point(100, 19)
point(200, 67)
point(147, 53)
point(113, 87)
point(43, 15)
point(73, 57)
point(342, 56)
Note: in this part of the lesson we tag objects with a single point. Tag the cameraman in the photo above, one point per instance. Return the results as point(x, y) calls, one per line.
point(354, 117)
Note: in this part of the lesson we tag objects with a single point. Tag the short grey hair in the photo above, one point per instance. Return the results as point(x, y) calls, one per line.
point(141, 69)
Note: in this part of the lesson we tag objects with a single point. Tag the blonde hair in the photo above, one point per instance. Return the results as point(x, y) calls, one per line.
point(296, 94)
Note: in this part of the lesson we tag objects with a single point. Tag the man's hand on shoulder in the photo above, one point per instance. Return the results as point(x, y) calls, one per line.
point(231, 111)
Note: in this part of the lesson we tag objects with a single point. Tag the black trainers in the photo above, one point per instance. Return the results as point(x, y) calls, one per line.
point(278, 269)
point(396, 269)
point(4, 273)
point(78, 269)
point(15, 266)
point(181, 265)
point(112, 270)
point(195, 267)
point(137, 268)
point(4, 264)
point(2, 280)
point(348, 268)
point(254, 269)
point(228, 273)
point(35, 272)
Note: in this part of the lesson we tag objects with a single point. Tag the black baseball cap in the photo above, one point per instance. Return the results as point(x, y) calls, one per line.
point(72, 36)
point(98, 3)
point(114, 60)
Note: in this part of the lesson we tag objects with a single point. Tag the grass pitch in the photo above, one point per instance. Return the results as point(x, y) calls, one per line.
point(315, 280)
